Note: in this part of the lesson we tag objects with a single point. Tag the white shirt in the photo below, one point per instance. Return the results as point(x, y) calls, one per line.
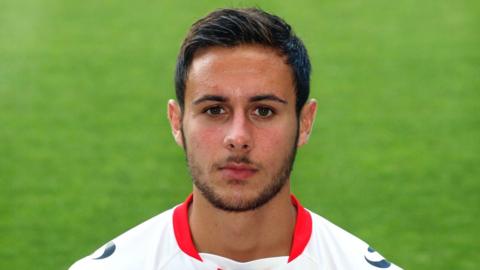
point(164, 242)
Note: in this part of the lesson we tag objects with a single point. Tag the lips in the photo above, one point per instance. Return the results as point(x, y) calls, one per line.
point(238, 171)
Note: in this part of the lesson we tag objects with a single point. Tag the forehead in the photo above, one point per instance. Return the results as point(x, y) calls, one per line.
point(239, 72)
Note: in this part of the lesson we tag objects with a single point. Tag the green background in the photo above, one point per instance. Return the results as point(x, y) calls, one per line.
point(86, 151)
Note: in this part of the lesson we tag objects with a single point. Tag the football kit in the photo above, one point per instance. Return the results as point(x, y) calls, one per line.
point(164, 242)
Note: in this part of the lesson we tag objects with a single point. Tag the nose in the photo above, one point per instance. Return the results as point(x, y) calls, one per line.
point(238, 137)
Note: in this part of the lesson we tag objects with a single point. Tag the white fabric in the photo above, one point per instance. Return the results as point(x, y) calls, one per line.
point(261, 264)
point(152, 246)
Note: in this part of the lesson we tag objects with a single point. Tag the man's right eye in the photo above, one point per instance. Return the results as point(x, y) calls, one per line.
point(214, 111)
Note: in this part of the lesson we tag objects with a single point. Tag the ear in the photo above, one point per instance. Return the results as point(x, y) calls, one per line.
point(175, 118)
point(307, 117)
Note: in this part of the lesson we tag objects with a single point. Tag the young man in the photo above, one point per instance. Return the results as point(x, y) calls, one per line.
point(242, 84)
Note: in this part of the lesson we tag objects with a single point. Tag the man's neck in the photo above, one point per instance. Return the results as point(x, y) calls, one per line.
point(244, 236)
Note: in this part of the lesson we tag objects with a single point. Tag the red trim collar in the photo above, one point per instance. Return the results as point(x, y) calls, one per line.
point(181, 228)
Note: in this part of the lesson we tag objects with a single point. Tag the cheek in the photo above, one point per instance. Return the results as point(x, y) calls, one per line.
point(276, 142)
point(203, 139)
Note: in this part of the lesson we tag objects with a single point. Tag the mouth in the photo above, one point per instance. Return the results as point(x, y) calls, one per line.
point(238, 171)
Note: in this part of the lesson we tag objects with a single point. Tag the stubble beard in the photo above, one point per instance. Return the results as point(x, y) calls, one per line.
point(276, 184)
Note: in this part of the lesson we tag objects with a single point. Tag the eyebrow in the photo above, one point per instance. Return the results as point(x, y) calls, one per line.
point(209, 98)
point(252, 99)
point(268, 97)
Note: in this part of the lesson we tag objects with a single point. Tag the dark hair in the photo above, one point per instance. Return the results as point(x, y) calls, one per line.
point(233, 27)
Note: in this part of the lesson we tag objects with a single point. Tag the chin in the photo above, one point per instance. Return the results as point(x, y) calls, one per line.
point(238, 201)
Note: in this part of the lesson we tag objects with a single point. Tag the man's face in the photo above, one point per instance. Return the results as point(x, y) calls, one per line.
point(239, 126)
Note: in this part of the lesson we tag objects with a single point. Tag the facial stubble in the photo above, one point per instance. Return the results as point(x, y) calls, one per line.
point(275, 185)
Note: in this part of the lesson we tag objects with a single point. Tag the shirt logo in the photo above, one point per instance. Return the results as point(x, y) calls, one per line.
point(109, 250)
point(375, 259)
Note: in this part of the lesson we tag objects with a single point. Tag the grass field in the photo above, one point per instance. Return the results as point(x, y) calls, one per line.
point(86, 151)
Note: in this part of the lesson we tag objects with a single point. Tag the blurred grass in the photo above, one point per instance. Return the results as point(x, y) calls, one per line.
point(86, 151)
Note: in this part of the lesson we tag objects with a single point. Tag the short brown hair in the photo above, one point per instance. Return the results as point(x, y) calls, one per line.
point(233, 27)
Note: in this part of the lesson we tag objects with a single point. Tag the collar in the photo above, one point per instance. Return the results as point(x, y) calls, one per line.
point(181, 228)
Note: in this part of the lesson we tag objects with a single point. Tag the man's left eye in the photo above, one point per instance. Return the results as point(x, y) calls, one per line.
point(263, 111)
